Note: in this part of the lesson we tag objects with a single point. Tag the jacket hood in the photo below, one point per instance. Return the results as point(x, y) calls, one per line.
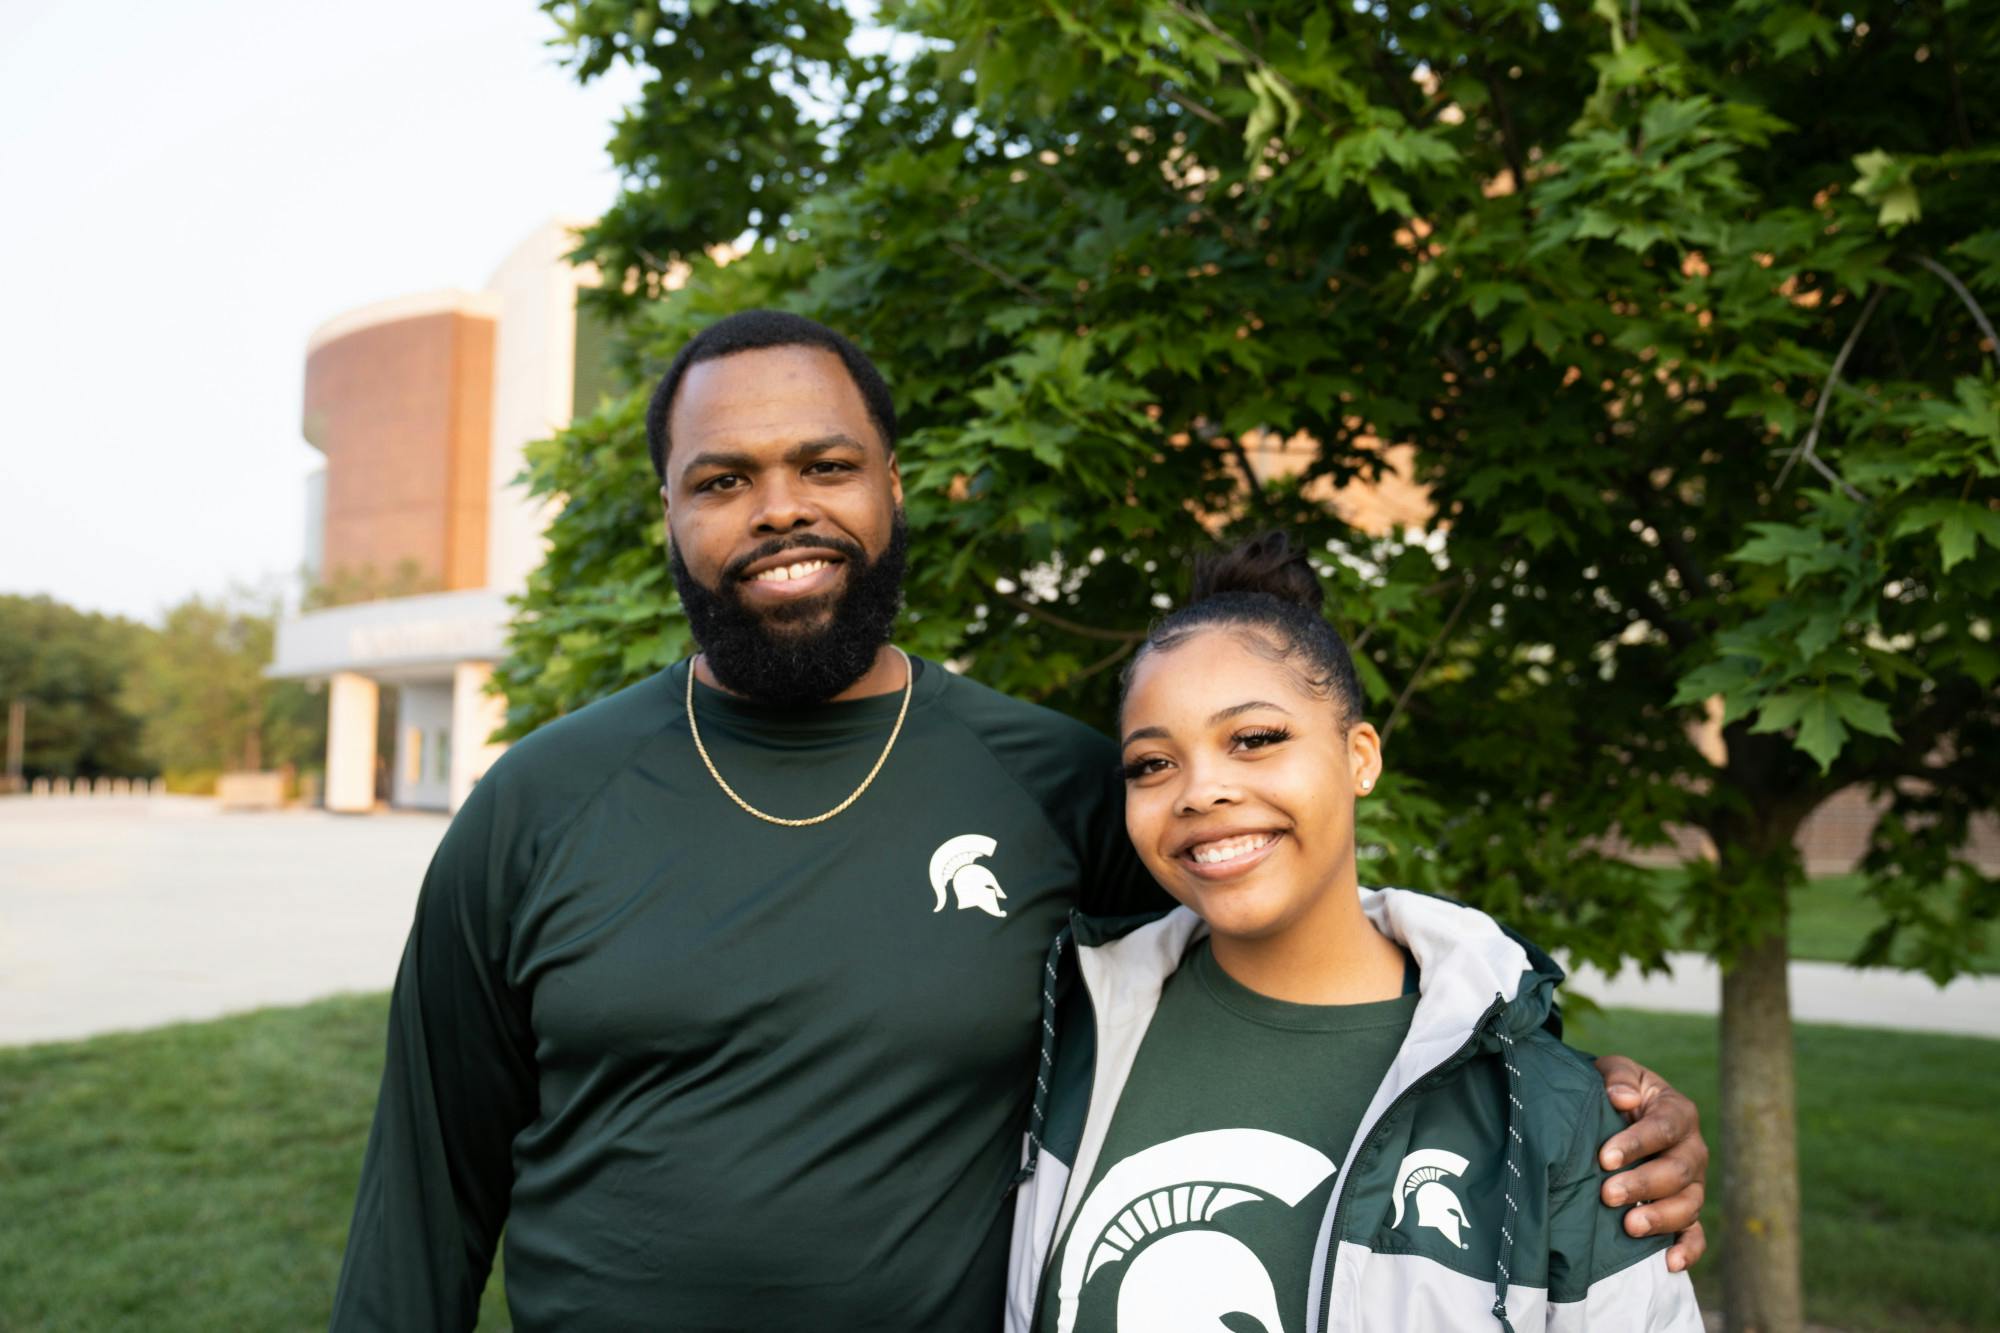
point(1464, 956)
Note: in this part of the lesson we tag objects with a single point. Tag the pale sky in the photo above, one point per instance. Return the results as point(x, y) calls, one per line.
point(186, 191)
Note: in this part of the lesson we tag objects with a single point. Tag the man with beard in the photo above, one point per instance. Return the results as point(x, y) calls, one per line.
point(723, 992)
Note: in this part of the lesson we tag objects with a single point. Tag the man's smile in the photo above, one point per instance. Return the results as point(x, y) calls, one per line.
point(791, 575)
point(786, 573)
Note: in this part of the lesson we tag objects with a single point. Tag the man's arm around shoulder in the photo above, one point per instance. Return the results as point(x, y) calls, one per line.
point(1601, 1276)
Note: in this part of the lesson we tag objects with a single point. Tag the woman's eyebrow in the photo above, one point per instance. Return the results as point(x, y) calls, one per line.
point(1225, 714)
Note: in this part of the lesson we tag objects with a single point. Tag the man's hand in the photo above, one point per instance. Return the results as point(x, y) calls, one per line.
point(1665, 1128)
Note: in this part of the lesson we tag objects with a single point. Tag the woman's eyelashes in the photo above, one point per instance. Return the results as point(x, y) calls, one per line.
point(1135, 769)
point(1253, 738)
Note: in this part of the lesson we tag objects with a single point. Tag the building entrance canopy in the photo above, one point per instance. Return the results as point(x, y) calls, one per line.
point(399, 636)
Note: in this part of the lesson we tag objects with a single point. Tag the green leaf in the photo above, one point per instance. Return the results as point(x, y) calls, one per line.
point(1959, 526)
point(1821, 732)
point(1791, 28)
point(1726, 678)
point(1899, 207)
point(1886, 181)
point(1862, 713)
point(1875, 167)
point(1782, 710)
point(1263, 115)
point(1956, 537)
point(1388, 198)
point(1819, 631)
point(1776, 543)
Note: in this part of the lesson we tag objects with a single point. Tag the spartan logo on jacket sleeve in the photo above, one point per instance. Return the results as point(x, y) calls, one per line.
point(1188, 1279)
point(954, 867)
point(1423, 1173)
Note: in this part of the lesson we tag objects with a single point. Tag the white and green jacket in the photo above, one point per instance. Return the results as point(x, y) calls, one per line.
point(1469, 1196)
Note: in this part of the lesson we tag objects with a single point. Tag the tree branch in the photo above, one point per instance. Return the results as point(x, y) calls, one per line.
point(1125, 636)
point(1965, 295)
point(1360, 641)
point(1959, 123)
point(1805, 449)
point(1250, 482)
point(1111, 659)
point(969, 257)
point(1510, 144)
point(1430, 655)
point(1195, 15)
point(1189, 105)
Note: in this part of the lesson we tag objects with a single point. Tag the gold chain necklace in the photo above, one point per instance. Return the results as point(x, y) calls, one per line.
point(909, 685)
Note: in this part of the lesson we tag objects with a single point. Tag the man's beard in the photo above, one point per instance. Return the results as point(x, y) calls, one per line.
point(802, 652)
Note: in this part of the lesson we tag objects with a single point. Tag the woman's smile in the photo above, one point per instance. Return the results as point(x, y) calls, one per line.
point(1226, 854)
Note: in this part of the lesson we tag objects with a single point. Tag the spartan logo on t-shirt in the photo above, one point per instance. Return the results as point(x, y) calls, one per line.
point(1422, 1174)
point(1144, 1226)
point(954, 867)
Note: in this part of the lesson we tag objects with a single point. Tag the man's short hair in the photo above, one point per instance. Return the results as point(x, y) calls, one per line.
point(749, 331)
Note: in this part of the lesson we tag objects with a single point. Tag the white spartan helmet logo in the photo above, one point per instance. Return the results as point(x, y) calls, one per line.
point(954, 866)
point(1188, 1280)
point(1423, 1173)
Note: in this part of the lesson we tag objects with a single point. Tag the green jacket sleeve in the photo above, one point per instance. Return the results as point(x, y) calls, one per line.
point(458, 1086)
point(1600, 1277)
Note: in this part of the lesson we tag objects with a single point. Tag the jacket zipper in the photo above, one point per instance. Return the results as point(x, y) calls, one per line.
point(1056, 1240)
point(1422, 1084)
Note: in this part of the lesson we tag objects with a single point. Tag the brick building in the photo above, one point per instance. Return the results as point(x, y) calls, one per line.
point(417, 531)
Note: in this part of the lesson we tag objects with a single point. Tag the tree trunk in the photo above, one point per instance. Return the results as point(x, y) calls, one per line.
point(1760, 1251)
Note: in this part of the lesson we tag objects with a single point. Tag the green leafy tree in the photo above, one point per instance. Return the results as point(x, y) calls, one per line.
point(66, 667)
point(1681, 310)
point(204, 701)
point(347, 586)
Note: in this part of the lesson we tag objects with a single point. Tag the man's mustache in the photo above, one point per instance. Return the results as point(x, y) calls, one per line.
point(840, 546)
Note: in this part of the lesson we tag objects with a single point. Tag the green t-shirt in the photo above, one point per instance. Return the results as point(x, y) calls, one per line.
point(713, 1074)
point(1225, 1144)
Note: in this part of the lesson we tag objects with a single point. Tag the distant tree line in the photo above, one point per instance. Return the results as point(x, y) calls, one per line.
point(186, 699)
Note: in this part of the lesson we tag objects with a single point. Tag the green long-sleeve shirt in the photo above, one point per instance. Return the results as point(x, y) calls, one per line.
point(715, 1074)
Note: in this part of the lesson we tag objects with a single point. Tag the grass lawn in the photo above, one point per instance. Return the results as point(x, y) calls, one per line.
point(200, 1177)
point(1899, 1182)
point(193, 1177)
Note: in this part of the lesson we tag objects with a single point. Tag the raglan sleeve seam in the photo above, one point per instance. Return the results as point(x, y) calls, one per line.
point(552, 834)
point(1040, 804)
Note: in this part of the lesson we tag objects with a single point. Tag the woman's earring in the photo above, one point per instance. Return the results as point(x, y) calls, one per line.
point(1366, 784)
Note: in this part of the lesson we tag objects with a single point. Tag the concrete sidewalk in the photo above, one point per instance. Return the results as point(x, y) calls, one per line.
point(122, 913)
point(1821, 993)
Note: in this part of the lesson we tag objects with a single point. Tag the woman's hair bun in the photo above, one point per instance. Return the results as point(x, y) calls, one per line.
point(1266, 564)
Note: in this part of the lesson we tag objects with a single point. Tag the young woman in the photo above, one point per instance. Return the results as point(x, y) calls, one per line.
point(1293, 1105)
